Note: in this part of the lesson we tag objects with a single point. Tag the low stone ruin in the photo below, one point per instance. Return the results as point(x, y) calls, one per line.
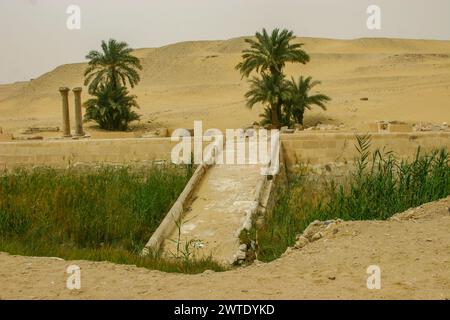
point(34, 130)
point(398, 126)
point(427, 126)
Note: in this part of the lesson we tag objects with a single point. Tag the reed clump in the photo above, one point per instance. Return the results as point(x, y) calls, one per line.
point(103, 214)
point(378, 187)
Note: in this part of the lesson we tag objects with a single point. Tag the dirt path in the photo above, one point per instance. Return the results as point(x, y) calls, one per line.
point(412, 250)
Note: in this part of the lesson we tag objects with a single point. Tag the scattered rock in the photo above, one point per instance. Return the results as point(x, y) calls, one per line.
point(243, 247)
point(434, 127)
point(312, 229)
point(317, 236)
point(258, 263)
point(241, 255)
point(301, 242)
point(315, 231)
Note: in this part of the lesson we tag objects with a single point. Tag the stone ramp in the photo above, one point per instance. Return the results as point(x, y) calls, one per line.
point(218, 211)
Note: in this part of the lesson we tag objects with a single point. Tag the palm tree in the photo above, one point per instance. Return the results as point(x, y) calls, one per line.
point(300, 99)
point(270, 90)
point(267, 118)
point(114, 65)
point(111, 107)
point(268, 55)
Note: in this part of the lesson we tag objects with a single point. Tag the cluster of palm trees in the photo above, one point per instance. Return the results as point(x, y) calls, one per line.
point(107, 75)
point(285, 100)
point(110, 70)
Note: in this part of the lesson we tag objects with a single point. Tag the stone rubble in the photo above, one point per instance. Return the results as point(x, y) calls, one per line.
point(316, 231)
point(433, 127)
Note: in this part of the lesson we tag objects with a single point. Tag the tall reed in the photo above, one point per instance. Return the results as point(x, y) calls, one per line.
point(379, 186)
point(109, 213)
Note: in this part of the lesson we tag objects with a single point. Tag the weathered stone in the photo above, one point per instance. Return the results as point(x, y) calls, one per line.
point(29, 138)
point(258, 263)
point(65, 111)
point(301, 242)
point(243, 247)
point(241, 255)
point(312, 229)
point(32, 130)
point(78, 112)
point(317, 236)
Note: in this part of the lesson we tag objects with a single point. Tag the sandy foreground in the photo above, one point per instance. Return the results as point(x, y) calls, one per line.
point(412, 250)
point(405, 80)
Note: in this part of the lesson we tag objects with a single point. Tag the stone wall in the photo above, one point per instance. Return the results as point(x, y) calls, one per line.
point(326, 148)
point(305, 147)
point(62, 153)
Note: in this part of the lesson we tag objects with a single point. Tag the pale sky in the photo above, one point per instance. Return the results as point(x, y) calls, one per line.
point(35, 39)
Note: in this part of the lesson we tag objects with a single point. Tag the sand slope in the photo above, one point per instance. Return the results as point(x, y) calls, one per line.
point(404, 80)
point(412, 250)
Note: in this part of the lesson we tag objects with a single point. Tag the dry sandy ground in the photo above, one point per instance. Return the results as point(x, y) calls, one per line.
point(412, 250)
point(407, 80)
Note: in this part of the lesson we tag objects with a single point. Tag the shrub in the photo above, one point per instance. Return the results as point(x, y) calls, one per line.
point(111, 108)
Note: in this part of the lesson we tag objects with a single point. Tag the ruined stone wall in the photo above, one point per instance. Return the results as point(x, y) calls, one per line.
point(338, 149)
point(62, 153)
point(317, 149)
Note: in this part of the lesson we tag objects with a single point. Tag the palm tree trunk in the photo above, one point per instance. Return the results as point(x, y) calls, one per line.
point(300, 117)
point(275, 119)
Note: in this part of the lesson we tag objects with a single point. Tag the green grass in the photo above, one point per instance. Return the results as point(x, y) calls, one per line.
point(379, 187)
point(106, 214)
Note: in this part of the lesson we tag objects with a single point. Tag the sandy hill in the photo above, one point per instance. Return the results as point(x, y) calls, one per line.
point(405, 80)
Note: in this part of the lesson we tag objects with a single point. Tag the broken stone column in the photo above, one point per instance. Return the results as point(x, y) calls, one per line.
point(78, 116)
point(65, 111)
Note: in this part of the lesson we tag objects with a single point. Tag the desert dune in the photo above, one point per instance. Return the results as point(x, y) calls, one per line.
point(404, 80)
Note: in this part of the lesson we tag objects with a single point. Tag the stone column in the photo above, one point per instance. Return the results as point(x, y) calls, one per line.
point(78, 115)
point(65, 111)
